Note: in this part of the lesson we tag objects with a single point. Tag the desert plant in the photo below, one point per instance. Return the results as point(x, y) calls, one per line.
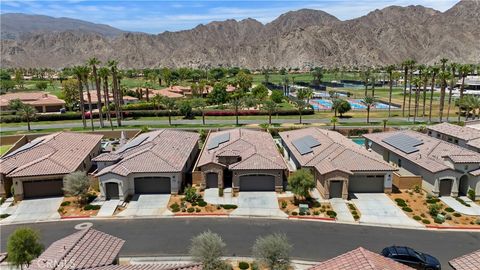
point(191, 195)
point(471, 194)
point(23, 246)
point(243, 265)
point(434, 209)
point(77, 184)
point(301, 182)
point(273, 251)
point(284, 204)
point(208, 248)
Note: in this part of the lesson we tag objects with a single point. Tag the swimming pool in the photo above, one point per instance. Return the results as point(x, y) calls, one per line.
point(359, 141)
point(356, 104)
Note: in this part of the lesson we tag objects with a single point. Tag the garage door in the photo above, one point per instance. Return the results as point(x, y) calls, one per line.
point(446, 187)
point(257, 183)
point(336, 189)
point(43, 188)
point(366, 184)
point(212, 180)
point(152, 185)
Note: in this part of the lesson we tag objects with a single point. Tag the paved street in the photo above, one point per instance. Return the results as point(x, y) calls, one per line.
point(311, 240)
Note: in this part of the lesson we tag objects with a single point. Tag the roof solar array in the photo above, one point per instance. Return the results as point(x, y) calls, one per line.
point(133, 143)
point(305, 144)
point(215, 141)
point(26, 146)
point(403, 143)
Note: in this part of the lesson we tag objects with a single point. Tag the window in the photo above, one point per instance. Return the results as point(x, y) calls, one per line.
point(429, 132)
point(399, 163)
point(456, 141)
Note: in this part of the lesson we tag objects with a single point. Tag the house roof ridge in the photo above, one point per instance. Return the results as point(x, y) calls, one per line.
point(35, 161)
point(365, 256)
point(65, 254)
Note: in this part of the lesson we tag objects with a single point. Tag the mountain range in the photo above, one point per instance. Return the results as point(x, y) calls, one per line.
point(299, 38)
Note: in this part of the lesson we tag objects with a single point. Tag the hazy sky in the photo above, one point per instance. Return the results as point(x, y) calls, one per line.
point(158, 16)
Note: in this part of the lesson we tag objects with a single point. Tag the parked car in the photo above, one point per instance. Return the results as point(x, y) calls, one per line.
point(412, 258)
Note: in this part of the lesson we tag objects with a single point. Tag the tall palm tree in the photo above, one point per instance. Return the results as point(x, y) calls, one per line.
point(366, 74)
point(169, 105)
point(411, 68)
point(464, 70)
point(86, 73)
point(103, 73)
point(120, 89)
point(93, 62)
point(433, 70)
point(334, 121)
point(112, 64)
point(200, 104)
point(77, 70)
point(443, 77)
point(417, 82)
point(27, 112)
point(406, 66)
point(424, 76)
point(390, 69)
point(369, 102)
point(271, 107)
point(237, 104)
point(453, 81)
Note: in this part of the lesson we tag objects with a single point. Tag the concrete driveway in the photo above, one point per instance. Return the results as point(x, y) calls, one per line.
point(378, 208)
point(147, 205)
point(259, 204)
point(472, 210)
point(33, 210)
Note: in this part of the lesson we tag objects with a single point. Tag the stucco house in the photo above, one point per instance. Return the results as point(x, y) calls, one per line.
point(36, 169)
point(244, 159)
point(43, 102)
point(446, 169)
point(339, 165)
point(152, 163)
point(465, 137)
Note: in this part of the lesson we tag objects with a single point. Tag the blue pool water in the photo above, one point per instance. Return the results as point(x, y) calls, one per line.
point(359, 141)
point(356, 104)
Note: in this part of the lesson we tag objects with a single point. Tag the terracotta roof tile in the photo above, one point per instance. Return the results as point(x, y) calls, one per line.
point(32, 98)
point(464, 133)
point(360, 259)
point(176, 266)
point(469, 261)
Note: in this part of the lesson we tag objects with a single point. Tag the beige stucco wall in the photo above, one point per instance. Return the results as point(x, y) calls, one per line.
point(323, 183)
point(211, 168)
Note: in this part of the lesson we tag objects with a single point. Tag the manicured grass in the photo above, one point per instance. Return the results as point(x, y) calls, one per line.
point(4, 148)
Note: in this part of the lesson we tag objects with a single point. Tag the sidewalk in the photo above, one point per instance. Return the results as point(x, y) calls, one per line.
point(473, 210)
point(342, 210)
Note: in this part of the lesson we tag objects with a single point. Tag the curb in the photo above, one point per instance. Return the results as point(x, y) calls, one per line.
point(75, 217)
point(200, 215)
point(452, 227)
point(312, 218)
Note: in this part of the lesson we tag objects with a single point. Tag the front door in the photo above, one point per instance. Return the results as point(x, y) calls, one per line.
point(212, 180)
point(446, 187)
point(336, 188)
point(111, 191)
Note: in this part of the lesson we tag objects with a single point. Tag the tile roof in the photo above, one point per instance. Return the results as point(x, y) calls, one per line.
point(360, 259)
point(474, 143)
point(335, 152)
point(469, 261)
point(176, 266)
point(57, 153)
point(84, 249)
point(164, 150)
point(32, 98)
point(94, 97)
point(465, 133)
point(431, 154)
point(256, 149)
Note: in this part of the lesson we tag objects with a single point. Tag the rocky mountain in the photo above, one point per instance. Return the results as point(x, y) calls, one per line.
point(16, 24)
point(295, 39)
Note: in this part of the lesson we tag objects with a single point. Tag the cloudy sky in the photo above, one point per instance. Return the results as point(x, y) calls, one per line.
point(158, 16)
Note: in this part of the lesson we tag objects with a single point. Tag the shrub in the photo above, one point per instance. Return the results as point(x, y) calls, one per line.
point(284, 204)
point(229, 206)
point(351, 206)
point(174, 205)
point(191, 195)
point(316, 213)
point(432, 200)
point(194, 204)
point(354, 212)
point(4, 215)
point(202, 203)
point(220, 192)
point(417, 188)
point(462, 202)
point(67, 203)
point(316, 204)
point(477, 221)
point(417, 217)
point(294, 213)
point(243, 265)
point(438, 220)
point(302, 213)
point(273, 251)
point(471, 194)
point(89, 207)
point(198, 210)
point(356, 217)
point(402, 204)
point(448, 217)
point(331, 213)
point(457, 214)
point(208, 249)
point(450, 210)
point(61, 210)
point(426, 221)
point(190, 210)
point(434, 209)
point(399, 200)
point(407, 209)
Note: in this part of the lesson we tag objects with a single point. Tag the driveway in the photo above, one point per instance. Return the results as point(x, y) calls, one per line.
point(343, 212)
point(378, 208)
point(258, 204)
point(33, 210)
point(147, 205)
point(472, 210)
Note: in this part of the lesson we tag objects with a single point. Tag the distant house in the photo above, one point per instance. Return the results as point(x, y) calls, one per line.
point(153, 162)
point(42, 101)
point(244, 159)
point(469, 261)
point(447, 169)
point(37, 168)
point(466, 137)
point(340, 166)
point(360, 259)
point(94, 99)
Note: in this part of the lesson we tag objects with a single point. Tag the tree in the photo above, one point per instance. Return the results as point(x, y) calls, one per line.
point(112, 64)
point(27, 112)
point(390, 69)
point(266, 75)
point(406, 65)
point(433, 71)
point(185, 108)
point(336, 103)
point(93, 62)
point(217, 73)
point(85, 73)
point(208, 248)
point(411, 68)
point(334, 121)
point(369, 102)
point(103, 73)
point(273, 251)
point(200, 104)
point(301, 182)
point(276, 96)
point(317, 74)
point(77, 184)
point(78, 71)
point(6, 85)
point(23, 246)
point(417, 82)
point(19, 79)
point(453, 69)
point(271, 107)
point(366, 74)
point(244, 81)
point(166, 75)
point(70, 92)
point(344, 107)
point(219, 94)
point(157, 101)
point(443, 77)
point(169, 105)
point(15, 104)
point(237, 102)
point(260, 92)
point(42, 85)
point(464, 71)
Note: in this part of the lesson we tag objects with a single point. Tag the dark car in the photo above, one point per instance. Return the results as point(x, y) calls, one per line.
point(412, 258)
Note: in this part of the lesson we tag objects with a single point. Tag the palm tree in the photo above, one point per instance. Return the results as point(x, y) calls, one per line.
point(334, 121)
point(120, 75)
point(433, 70)
point(390, 70)
point(78, 71)
point(411, 68)
point(237, 104)
point(103, 73)
point(336, 103)
point(28, 113)
point(405, 65)
point(369, 102)
point(366, 77)
point(169, 105)
point(464, 71)
point(200, 104)
point(300, 105)
point(453, 69)
point(271, 107)
point(93, 62)
point(417, 82)
point(443, 76)
point(424, 75)
point(112, 64)
point(85, 74)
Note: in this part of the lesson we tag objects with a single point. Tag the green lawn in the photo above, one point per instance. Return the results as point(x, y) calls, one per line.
point(4, 148)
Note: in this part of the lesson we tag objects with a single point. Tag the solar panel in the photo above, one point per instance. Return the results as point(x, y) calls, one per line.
point(26, 146)
point(215, 141)
point(403, 143)
point(305, 144)
point(133, 143)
